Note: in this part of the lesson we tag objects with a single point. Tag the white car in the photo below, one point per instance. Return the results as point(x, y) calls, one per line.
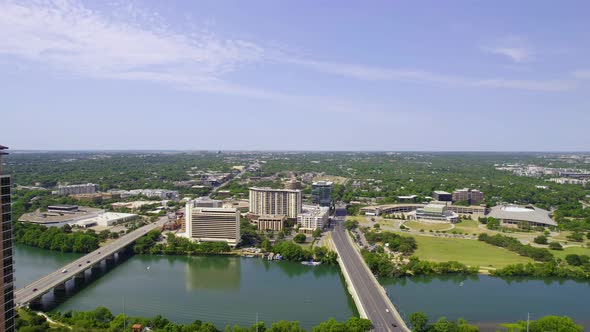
point(386, 310)
point(64, 271)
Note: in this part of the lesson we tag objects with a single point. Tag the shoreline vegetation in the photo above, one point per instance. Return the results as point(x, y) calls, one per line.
point(102, 320)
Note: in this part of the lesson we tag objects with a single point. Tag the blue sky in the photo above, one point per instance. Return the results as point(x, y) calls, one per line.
point(295, 75)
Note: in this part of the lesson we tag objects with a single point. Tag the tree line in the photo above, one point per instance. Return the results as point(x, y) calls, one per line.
point(512, 244)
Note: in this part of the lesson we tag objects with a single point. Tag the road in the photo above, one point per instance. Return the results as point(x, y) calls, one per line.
point(47, 283)
point(375, 302)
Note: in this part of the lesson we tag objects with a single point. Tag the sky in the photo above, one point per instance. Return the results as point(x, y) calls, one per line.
point(295, 75)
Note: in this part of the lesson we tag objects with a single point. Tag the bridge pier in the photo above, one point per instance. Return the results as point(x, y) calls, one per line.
point(60, 289)
point(35, 303)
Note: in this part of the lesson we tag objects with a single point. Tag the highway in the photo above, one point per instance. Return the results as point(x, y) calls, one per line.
point(371, 294)
point(36, 289)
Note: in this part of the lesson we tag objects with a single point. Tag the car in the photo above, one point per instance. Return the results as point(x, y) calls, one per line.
point(386, 310)
point(87, 262)
point(64, 271)
point(79, 265)
point(34, 289)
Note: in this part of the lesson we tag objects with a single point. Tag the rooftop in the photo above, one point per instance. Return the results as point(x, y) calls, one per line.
point(523, 213)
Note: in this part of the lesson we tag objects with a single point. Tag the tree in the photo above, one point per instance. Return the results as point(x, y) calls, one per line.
point(573, 259)
point(555, 246)
point(553, 323)
point(351, 224)
point(493, 223)
point(541, 239)
point(300, 238)
point(266, 245)
point(317, 233)
point(419, 322)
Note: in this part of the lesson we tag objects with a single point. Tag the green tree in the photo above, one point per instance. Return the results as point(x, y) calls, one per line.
point(299, 238)
point(555, 246)
point(541, 239)
point(419, 322)
point(317, 233)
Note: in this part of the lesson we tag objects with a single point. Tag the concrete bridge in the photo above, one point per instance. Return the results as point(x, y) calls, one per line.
point(369, 296)
point(33, 292)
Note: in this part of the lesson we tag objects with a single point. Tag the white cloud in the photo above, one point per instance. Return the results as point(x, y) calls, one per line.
point(581, 73)
point(134, 45)
point(67, 35)
point(516, 54)
point(386, 74)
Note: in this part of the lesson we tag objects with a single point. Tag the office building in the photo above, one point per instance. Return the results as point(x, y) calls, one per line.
point(212, 224)
point(435, 212)
point(471, 196)
point(321, 193)
point(274, 223)
point(280, 202)
point(76, 189)
point(312, 217)
point(442, 196)
point(6, 271)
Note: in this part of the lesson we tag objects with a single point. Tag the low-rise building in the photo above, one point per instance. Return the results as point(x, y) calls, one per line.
point(313, 217)
point(442, 196)
point(471, 196)
point(274, 223)
point(88, 188)
point(207, 202)
point(514, 215)
point(435, 212)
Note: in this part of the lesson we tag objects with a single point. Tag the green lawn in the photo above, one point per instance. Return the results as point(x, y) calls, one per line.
point(470, 252)
point(427, 226)
point(571, 250)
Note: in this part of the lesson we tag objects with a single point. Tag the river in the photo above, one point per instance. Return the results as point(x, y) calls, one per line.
point(487, 301)
point(220, 289)
point(233, 290)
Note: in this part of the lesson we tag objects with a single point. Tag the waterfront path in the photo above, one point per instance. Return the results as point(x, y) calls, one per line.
point(370, 297)
point(77, 268)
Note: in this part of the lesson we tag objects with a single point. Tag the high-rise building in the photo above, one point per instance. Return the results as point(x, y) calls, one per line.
point(212, 224)
point(471, 196)
point(281, 202)
point(6, 270)
point(321, 193)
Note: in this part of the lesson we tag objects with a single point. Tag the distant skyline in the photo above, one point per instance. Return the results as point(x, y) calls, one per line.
point(295, 75)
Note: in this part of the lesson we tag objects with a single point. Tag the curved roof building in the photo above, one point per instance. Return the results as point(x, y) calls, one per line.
point(514, 214)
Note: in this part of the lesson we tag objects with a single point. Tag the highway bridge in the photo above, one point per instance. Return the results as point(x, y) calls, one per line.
point(369, 296)
point(76, 269)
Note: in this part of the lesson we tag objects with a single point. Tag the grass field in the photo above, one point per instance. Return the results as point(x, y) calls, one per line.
point(571, 250)
point(470, 252)
point(427, 226)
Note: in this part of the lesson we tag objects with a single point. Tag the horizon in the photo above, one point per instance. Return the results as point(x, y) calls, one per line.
point(82, 75)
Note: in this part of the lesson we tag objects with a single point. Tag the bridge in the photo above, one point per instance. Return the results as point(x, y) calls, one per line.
point(369, 296)
point(33, 292)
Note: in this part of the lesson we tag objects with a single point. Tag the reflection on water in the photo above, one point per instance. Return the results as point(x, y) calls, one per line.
point(205, 273)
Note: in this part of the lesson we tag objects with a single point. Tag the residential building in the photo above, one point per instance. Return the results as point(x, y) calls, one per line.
point(471, 196)
point(275, 223)
point(435, 212)
point(321, 193)
point(281, 202)
point(6, 268)
point(313, 217)
point(442, 196)
point(514, 215)
point(212, 224)
point(75, 189)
